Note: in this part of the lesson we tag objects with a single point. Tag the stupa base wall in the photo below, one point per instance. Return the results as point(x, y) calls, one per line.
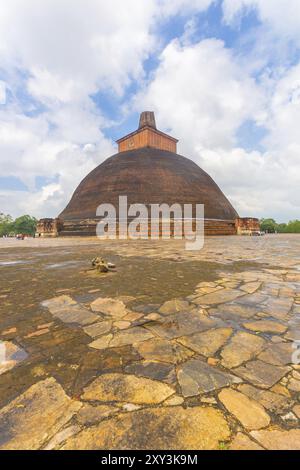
point(212, 227)
point(87, 228)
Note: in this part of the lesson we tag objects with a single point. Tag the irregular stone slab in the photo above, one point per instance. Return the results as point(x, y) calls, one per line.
point(207, 290)
point(174, 306)
point(122, 325)
point(206, 284)
point(278, 354)
point(173, 428)
point(146, 308)
point(243, 442)
point(153, 316)
point(277, 339)
point(102, 342)
point(248, 412)
point(68, 311)
point(10, 355)
point(269, 400)
point(293, 334)
point(62, 436)
point(196, 377)
point(158, 349)
point(251, 287)
point(208, 342)
point(296, 410)
point(132, 316)
point(261, 374)
point(266, 326)
point(278, 308)
point(175, 400)
point(218, 297)
point(210, 400)
point(98, 329)
point(153, 370)
point(59, 303)
point(112, 307)
point(296, 373)
point(253, 299)
point(76, 316)
point(182, 324)
point(90, 415)
point(130, 336)
point(294, 385)
point(278, 439)
point(234, 311)
point(281, 390)
point(35, 416)
point(241, 348)
point(126, 388)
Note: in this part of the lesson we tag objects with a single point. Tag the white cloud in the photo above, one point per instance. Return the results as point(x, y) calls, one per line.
point(53, 146)
point(2, 92)
point(65, 53)
point(203, 92)
point(174, 7)
point(72, 51)
point(282, 16)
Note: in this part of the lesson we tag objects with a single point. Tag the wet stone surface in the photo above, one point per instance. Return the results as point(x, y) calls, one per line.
point(196, 377)
point(10, 355)
point(171, 350)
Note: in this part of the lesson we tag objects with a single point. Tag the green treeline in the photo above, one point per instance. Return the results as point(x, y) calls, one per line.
point(271, 226)
point(10, 227)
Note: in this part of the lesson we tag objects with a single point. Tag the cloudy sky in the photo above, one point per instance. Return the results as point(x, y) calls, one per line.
point(223, 76)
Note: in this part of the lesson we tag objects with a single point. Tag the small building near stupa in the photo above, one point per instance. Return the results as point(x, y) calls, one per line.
point(148, 170)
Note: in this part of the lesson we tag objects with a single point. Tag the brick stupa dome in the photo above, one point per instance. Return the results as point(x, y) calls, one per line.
point(147, 170)
point(148, 176)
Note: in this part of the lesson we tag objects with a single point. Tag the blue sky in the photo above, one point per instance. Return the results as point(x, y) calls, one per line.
point(223, 76)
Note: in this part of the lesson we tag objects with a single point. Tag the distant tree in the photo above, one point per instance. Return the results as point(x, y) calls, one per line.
point(271, 226)
point(281, 228)
point(6, 222)
point(268, 225)
point(293, 226)
point(25, 224)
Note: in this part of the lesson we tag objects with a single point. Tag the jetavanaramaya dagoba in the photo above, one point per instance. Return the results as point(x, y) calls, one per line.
point(148, 170)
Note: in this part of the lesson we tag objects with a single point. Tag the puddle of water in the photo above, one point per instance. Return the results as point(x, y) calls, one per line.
point(64, 264)
point(12, 263)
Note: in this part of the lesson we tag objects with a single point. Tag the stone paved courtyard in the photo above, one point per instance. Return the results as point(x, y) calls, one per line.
point(173, 350)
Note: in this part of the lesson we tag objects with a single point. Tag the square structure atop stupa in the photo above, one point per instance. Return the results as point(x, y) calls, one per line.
point(147, 136)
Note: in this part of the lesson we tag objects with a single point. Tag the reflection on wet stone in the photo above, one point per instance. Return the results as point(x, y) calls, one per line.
point(241, 348)
point(261, 374)
point(208, 342)
point(158, 349)
point(153, 370)
point(68, 311)
point(10, 355)
point(196, 377)
point(127, 388)
point(181, 324)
